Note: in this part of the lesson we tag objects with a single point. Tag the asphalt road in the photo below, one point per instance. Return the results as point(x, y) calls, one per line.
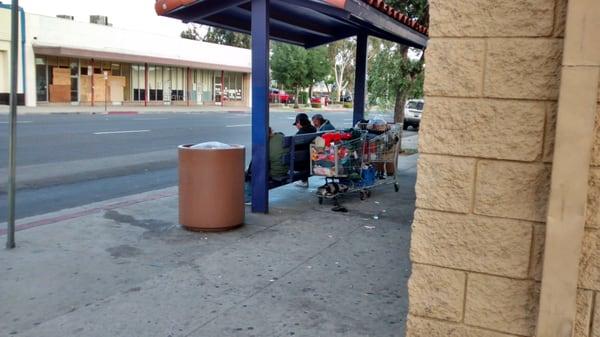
point(71, 160)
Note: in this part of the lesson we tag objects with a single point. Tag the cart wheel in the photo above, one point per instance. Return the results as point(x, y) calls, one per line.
point(363, 195)
point(320, 200)
point(396, 188)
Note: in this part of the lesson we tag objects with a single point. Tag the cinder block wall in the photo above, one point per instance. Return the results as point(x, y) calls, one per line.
point(486, 142)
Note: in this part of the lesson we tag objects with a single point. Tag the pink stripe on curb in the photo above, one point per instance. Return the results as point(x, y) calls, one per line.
point(78, 214)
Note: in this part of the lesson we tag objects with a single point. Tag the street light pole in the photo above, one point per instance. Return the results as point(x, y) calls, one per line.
point(14, 63)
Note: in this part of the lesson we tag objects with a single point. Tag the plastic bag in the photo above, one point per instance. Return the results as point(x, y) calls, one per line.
point(212, 146)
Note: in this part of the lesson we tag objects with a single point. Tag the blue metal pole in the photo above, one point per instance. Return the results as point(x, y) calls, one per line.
point(360, 77)
point(260, 106)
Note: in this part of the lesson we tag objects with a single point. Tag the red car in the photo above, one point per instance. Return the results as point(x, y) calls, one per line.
point(319, 100)
point(279, 96)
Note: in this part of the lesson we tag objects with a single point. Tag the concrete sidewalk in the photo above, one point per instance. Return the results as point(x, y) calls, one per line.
point(125, 268)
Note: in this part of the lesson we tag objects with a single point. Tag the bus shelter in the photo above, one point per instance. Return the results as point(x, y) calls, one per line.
point(306, 23)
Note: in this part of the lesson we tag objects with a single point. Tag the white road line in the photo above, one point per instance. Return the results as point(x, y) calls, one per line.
point(238, 125)
point(348, 119)
point(117, 132)
point(18, 122)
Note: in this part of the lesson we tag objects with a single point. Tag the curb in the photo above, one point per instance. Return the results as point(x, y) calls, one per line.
point(81, 211)
point(123, 113)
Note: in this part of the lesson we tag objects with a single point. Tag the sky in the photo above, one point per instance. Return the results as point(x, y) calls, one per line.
point(129, 14)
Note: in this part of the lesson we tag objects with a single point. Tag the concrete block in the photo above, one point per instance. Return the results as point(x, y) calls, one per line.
point(583, 317)
point(550, 131)
point(596, 146)
point(499, 129)
point(589, 264)
point(436, 292)
point(422, 327)
point(502, 304)
point(445, 183)
point(595, 332)
point(491, 18)
point(523, 68)
point(512, 190)
point(537, 254)
point(454, 67)
point(481, 244)
point(560, 18)
point(593, 200)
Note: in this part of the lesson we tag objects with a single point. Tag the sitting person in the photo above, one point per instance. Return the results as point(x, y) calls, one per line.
point(277, 168)
point(303, 124)
point(322, 124)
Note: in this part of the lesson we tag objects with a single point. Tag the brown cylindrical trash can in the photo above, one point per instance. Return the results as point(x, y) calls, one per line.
point(211, 188)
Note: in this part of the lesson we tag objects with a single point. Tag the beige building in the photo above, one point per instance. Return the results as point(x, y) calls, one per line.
point(65, 61)
point(506, 238)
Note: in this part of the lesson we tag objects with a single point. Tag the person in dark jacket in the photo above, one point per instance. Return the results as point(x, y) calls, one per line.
point(303, 125)
point(322, 124)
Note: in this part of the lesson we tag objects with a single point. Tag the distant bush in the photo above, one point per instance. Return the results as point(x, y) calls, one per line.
point(347, 105)
point(316, 105)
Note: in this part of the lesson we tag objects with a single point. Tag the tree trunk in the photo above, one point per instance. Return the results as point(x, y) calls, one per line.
point(399, 114)
point(296, 106)
point(310, 89)
point(399, 107)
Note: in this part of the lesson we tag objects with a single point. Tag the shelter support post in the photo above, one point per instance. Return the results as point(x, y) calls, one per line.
point(260, 106)
point(575, 134)
point(360, 77)
point(12, 142)
point(146, 93)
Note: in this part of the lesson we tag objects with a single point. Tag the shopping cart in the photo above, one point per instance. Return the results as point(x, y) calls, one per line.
point(355, 165)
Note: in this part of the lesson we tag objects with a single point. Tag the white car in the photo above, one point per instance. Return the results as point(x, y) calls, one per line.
point(412, 113)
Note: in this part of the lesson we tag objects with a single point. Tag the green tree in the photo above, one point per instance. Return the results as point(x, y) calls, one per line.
point(318, 66)
point(288, 67)
point(216, 35)
point(227, 37)
point(393, 76)
point(295, 67)
point(342, 55)
point(191, 33)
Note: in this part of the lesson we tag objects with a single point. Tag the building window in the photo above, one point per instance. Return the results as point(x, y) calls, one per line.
point(138, 82)
point(41, 79)
point(232, 83)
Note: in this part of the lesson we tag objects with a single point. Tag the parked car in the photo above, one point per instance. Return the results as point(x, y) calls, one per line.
point(412, 113)
point(346, 98)
point(318, 99)
point(279, 96)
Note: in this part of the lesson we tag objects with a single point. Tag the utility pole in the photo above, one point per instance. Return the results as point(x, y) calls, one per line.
point(14, 64)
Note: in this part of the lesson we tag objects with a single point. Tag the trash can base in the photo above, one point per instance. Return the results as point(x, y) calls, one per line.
point(220, 229)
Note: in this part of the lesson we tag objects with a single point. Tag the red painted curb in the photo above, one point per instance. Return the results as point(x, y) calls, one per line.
point(78, 214)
